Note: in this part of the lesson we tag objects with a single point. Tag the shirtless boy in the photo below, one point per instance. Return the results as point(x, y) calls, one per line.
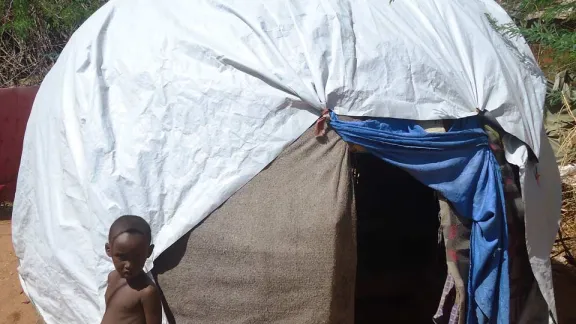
point(131, 296)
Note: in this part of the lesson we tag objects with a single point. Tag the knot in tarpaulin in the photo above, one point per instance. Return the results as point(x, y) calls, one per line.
point(320, 127)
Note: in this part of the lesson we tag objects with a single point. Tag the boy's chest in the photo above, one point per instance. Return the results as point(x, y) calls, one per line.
point(122, 297)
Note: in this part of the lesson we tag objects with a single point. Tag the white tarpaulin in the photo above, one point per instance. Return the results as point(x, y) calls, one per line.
point(165, 108)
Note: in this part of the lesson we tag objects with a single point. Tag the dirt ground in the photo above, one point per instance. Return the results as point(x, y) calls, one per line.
point(14, 306)
point(565, 292)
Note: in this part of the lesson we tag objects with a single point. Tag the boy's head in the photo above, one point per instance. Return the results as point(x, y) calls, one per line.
point(129, 245)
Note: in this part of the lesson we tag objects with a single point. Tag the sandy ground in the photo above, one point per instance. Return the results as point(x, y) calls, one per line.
point(14, 306)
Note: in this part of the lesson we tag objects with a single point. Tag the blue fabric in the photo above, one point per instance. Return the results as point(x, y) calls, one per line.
point(460, 165)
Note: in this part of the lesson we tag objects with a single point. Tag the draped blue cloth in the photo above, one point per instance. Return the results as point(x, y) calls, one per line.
point(460, 165)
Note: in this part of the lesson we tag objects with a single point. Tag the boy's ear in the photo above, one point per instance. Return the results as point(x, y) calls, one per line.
point(108, 251)
point(150, 250)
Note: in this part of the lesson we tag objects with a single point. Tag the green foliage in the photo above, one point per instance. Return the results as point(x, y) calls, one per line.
point(19, 22)
point(549, 9)
point(21, 18)
point(33, 33)
point(548, 25)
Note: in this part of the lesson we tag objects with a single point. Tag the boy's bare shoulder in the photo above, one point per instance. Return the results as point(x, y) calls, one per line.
point(150, 290)
point(113, 277)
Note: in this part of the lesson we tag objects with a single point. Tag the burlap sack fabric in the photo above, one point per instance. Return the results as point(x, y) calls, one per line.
point(280, 250)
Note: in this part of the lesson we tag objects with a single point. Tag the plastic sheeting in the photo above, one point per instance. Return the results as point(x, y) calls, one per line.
point(165, 108)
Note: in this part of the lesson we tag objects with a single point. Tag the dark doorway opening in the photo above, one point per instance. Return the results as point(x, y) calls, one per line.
point(401, 264)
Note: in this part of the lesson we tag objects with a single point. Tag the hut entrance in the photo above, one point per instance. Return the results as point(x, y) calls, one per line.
point(401, 265)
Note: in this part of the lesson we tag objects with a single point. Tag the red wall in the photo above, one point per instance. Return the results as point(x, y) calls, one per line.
point(15, 107)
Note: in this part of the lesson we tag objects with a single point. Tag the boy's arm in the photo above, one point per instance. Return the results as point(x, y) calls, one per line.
point(106, 296)
point(152, 305)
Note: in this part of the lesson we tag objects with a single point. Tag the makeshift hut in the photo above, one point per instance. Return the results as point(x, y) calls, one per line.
point(318, 161)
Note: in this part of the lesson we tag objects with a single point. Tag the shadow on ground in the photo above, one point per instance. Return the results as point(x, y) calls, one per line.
point(565, 291)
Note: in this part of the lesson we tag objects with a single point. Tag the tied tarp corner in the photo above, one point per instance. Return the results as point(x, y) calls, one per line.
point(459, 165)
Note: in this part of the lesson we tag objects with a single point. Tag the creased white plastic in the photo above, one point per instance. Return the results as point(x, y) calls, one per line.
point(542, 195)
point(165, 108)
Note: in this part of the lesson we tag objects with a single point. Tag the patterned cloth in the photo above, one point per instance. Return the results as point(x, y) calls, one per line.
point(456, 235)
point(449, 310)
point(521, 277)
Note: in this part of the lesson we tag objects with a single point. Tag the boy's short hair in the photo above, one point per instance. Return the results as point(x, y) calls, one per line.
point(130, 224)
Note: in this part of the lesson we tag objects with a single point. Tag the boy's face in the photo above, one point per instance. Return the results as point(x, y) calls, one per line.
point(129, 252)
